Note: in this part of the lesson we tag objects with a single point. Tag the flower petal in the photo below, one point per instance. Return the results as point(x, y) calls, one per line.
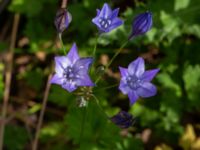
point(116, 23)
point(73, 54)
point(69, 18)
point(146, 90)
point(114, 13)
point(132, 97)
point(83, 64)
point(84, 81)
point(96, 21)
point(98, 12)
point(61, 62)
point(70, 86)
point(136, 67)
point(149, 75)
point(57, 79)
point(123, 71)
point(106, 11)
point(123, 87)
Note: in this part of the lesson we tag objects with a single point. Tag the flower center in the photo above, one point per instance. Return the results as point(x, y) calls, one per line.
point(105, 23)
point(133, 82)
point(69, 74)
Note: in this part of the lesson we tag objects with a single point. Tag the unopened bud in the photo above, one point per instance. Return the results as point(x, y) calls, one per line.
point(123, 119)
point(141, 24)
point(100, 70)
point(62, 20)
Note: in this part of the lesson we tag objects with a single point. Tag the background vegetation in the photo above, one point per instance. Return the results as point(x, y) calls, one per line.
point(170, 120)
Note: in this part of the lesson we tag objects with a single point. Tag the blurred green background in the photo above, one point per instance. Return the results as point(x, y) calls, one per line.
point(170, 120)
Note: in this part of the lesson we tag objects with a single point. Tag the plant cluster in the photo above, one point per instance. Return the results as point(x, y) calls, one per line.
point(72, 71)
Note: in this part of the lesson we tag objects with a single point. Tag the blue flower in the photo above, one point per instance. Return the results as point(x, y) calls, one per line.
point(142, 23)
point(62, 20)
point(72, 71)
point(123, 119)
point(135, 81)
point(106, 19)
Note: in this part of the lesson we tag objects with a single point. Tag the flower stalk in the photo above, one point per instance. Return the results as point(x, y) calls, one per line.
point(61, 42)
point(82, 125)
point(112, 59)
point(64, 3)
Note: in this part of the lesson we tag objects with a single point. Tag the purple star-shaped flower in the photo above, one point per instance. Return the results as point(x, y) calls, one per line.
point(142, 23)
point(72, 71)
point(106, 19)
point(135, 80)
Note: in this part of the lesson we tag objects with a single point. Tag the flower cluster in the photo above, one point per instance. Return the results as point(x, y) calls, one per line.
point(72, 71)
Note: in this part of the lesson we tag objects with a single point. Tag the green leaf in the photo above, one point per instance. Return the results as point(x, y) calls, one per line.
point(29, 8)
point(181, 4)
point(95, 130)
point(166, 80)
point(191, 79)
point(15, 137)
point(171, 28)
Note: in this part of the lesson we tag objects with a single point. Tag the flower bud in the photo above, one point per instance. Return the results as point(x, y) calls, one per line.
point(62, 20)
point(123, 119)
point(100, 70)
point(141, 24)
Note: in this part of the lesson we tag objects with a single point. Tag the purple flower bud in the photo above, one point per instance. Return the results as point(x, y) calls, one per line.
point(142, 23)
point(123, 119)
point(62, 20)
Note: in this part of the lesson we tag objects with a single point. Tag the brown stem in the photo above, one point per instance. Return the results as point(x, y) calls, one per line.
point(46, 93)
point(64, 4)
point(8, 76)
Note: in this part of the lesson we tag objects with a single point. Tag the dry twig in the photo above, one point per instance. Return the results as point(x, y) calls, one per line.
point(8, 76)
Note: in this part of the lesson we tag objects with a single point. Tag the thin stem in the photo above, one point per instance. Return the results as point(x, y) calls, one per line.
point(98, 104)
point(112, 59)
point(95, 46)
point(64, 4)
point(94, 52)
point(106, 88)
point(44, 103)
point(83, 124)
point(61, 42)
point(8, 77)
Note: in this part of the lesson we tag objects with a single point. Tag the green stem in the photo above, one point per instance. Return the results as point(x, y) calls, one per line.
point(106, 88)
point(97, 101)
point(112, 59)
point(94, 53)
point(61, 42)
point(95, 46)
point(83, 124)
